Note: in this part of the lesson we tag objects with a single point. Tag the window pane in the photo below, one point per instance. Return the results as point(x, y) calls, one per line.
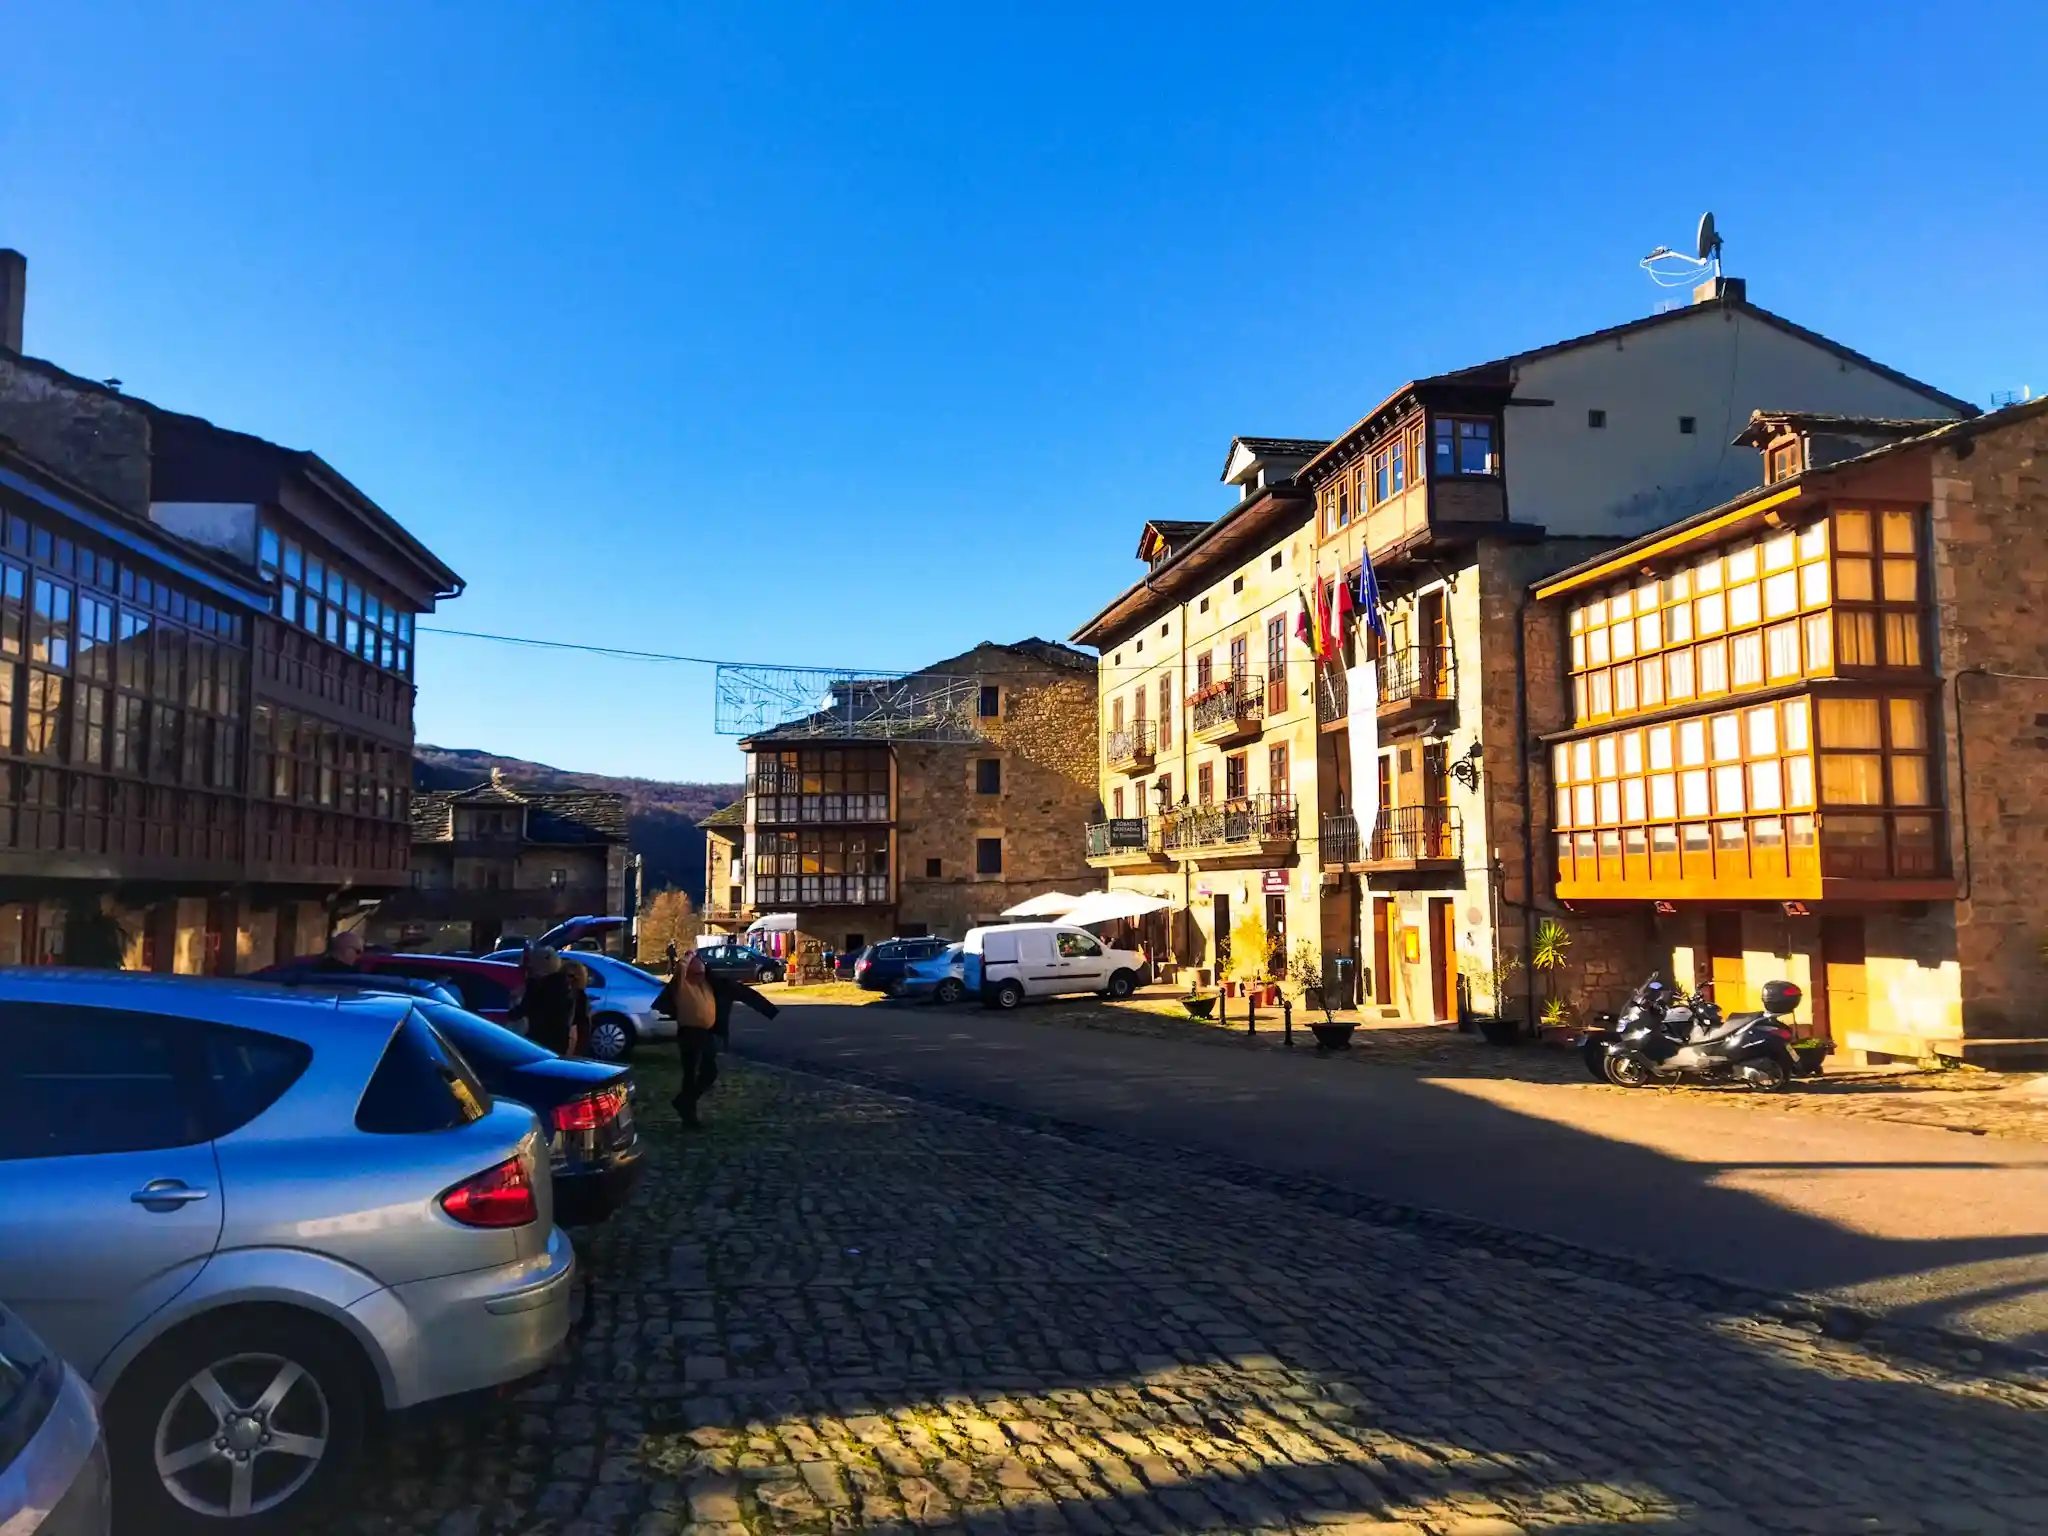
point(1728, 790)
point(1596, 647)
point(1692, 742)
point(1901, 581)
point(1744, 605)
point(1713, 665)
point(1778, 552)
point(1692, 792)
point(1604, 757)
point(1678, 674)
point(1582, 806)
point(1856, 639)
point(1909, 724)
point(1678, 621)
point(1631, 751)
point(1711, 612)
point(1747, 654)
point(1766, 786)
point(1621, 605)
point(1677, 586)
point(1819, 644)
point(1622, 638)
point(1610, 803)
point(1650, 682)
point(1797, 719)
point(1742, 563)
point(1659, 743)
point(1781, 651)
point(1761, 727)
point(1767, 832)
point(1725, 737)
point(1852, 778)
point(1852, 581)
point(1561, 763)
point(1663, 796)
point(1600, 695)
point(1564, 806)
point(1632, 803)
point(1813, 584)
point(1649, 632)
point(1902, 639)
point(1813, 540)
point(1706, 576)
point(1852, 531)
point(1849, 723)
point(1624, 690)
point(1578, 653)
point(1799, 780)
point(1781, 594)
point(1909, 780)
point(1898, 533)
point(1582, 761)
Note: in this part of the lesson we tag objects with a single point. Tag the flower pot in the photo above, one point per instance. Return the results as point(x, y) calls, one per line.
point(1497, 1031)
point(1809, 1056)
point(1199, 1007)
point(1333, 1037)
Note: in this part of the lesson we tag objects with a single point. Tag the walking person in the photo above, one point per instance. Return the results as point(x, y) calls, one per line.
point(702, 1009)
point(550, 1002)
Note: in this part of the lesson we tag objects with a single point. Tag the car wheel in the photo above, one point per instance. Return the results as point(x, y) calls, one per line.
point(949, 991)
point(768, 973)
point(1122, 984)
point(238, 1424)
point(1009, 994)
point(611, 1038)
point(893, 987)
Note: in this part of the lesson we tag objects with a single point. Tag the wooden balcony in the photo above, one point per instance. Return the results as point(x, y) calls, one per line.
point(1859, 855)
point(1229, 709)
point(1258, 829)
point(1409, 840)
point(1418, 687)
point(1131, 748)
point(1126, 842)
point(789, 808)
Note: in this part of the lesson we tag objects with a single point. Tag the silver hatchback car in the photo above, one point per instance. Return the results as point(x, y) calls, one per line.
point(254, 1221)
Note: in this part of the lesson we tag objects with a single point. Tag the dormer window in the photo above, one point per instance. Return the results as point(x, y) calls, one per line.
point(1465, 445)
point(1782, 462)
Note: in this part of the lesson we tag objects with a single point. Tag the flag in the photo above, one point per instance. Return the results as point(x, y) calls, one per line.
point(1325, 642)
point(1369, 598)
point(1343, 608)
point(1304, 629)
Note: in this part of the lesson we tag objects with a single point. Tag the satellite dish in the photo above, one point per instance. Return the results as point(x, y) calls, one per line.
point(1709, 241)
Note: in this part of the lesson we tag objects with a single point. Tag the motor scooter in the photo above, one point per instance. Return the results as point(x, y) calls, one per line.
point(1695, 1043)
point(1655, 999)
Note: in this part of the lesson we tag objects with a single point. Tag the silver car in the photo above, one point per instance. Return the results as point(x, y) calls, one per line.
point(255, 1221)
point(53, 1464)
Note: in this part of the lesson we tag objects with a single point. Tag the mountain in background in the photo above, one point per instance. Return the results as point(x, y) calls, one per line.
point(661, 817)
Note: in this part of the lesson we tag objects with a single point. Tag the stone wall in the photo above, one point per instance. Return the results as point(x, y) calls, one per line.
point(92, 436)
point(1990, 538)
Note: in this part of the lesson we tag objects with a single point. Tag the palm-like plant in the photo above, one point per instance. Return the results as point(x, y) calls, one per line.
point(1550, 955)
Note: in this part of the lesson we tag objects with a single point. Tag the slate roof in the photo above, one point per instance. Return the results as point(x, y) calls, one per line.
point(734, 815)
point(1764, 424)
point(552, 816)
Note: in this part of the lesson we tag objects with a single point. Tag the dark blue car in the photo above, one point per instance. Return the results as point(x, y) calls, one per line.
point(881, 968)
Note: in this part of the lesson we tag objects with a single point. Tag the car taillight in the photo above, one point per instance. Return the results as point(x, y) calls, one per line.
point(590, 1111)
point(860, 967)
point(497, 1197)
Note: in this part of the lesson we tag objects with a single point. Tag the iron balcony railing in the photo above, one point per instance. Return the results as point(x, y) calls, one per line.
point(1257, 819)
point(1418, 674)
point(1122, 835)
point(1406, 834)
point(1132, 743)
point(1235, 700)
point(1333, 695)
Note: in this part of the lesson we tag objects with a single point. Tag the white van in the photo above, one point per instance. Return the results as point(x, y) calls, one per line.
point(1007, 964)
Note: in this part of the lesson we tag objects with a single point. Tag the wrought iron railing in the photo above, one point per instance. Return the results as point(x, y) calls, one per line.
point(1122, 834)
point(1257, 819)
point(1418, 674)
point(1333, 695)
point(1235, 700)
point(1132, 743)
point(1405, 834)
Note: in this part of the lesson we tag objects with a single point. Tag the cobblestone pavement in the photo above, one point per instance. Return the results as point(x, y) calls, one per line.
point(1977, 1103)
point(842, 1310)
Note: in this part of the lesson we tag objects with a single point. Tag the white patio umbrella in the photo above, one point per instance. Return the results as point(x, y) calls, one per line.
point(773, 922)
point(1051, 904)
point(1112, 906)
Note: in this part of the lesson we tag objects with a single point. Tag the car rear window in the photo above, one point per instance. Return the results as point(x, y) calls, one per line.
point(421, 1084)
point(247, 1071)
point(80, 1081)
point(483, 1043)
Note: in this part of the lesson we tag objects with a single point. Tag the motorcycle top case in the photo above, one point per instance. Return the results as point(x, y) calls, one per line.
point(1781, 997)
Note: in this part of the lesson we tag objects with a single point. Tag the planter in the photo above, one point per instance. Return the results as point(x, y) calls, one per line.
point(1333, 1037)
point(1808, 1056)
point(1199, 1007)
point(1498, 1031)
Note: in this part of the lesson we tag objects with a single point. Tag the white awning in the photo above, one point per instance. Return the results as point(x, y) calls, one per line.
point(773, 922)
point(1111, 906)
point(1051, 904)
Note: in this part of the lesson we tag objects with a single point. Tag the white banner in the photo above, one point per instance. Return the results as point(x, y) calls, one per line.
point(1362, 683)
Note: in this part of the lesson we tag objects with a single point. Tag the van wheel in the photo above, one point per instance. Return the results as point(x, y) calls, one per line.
point(239, 1424)
point(1122, 984)
point(1008, 994)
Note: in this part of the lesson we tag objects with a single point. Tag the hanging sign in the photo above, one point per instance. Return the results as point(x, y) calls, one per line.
point(1275, 882)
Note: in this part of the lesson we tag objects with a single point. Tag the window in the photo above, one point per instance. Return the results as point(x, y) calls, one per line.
point(991, 701)
point(1205, 784)
point(1240, 656)
point(1205, 668)
point(1464, 446)
point(1596, 419)
point(1234, 785)
point(1165, 713)
point(1274, 563)
point(1116, 801)
point(420, 1085)
point(1236, 585)
point(79, 1082)
point(934, 869)
point(558, 879)
point(43, 718)
point(1276, 769)
point(1276, 664)
point(988, 855)
point(988, 776)
point(1688, 425)
point(248, 1071)
point(1075, 946)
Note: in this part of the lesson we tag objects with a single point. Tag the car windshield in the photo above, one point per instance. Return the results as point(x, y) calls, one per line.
point(480, 1040)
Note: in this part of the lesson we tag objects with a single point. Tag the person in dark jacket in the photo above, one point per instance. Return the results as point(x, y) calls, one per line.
point(701, 1005)
point(344, 952)
point(550, 1004)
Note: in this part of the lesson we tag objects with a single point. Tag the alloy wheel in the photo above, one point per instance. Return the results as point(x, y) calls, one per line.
point(1625, 1069)
point(609, 1039)
point(241, 1436)
point(1766, 1074)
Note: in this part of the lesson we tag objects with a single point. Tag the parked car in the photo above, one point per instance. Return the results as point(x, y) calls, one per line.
point(255, 1220)
point(584, 1106)
point(486, 987)
point(53, 1461)
point(881, 968)
point(1006, 964)
point(368, 981)
point(742, 962)
point(941, 978)
point(621, 1003)
point(845, 963)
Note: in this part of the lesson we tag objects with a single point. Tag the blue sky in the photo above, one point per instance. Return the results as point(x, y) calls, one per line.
point(858, 333)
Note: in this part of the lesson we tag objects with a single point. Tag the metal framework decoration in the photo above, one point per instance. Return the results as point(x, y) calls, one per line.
point(819, 704)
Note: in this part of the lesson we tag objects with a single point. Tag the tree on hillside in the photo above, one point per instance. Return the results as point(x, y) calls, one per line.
point(668, 918)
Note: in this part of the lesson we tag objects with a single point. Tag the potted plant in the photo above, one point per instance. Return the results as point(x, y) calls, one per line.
point(1199, 1004)
point(1810, 1054)
point(1552, 953)
point(1304, 979)
point(1490, 980)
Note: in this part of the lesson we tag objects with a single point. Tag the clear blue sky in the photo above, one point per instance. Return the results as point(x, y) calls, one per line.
point(859, 333)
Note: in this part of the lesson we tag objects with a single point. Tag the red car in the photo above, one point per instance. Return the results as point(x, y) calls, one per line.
point(486, 987)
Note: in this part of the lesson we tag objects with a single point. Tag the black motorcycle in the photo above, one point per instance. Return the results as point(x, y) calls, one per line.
point(1663, 1037)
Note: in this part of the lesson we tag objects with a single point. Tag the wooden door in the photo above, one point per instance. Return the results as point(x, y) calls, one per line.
point(1724, 961)
point(1222, 921)
point(1434, 638)
point(1443, 956)
point(1383, 951)
point(1845, 987)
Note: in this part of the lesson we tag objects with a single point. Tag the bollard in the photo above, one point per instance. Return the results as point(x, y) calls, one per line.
point(1251, 1011)
point(1287, 1021)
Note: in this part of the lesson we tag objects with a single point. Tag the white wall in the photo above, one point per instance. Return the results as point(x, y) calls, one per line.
point(1639, 471)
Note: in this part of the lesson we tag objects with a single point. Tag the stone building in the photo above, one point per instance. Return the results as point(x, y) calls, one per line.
point(1460, 489)
point(1800, 735)
point(206, 666)
point(864, 832)
point(727, 909)
point(495, 862)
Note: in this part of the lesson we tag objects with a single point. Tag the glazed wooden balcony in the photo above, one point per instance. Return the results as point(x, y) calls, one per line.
point(1229, 709)
point(1131, 748)
point(1859, 855)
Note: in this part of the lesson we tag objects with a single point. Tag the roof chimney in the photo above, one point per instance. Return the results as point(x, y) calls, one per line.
point(13, 298)
point(1733, 289)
